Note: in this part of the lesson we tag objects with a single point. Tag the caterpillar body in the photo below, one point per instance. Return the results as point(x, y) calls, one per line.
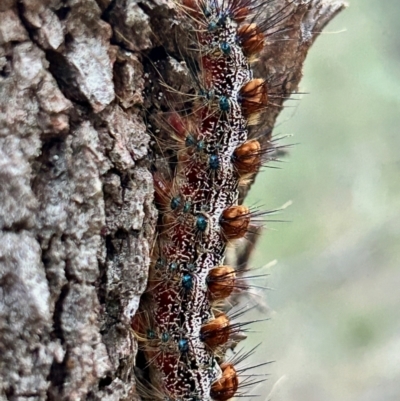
point(183, 332)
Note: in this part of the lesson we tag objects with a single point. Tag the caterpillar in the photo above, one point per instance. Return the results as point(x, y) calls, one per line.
point(182, 327)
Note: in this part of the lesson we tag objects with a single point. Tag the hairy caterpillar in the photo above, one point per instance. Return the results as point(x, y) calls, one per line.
point(183, 330)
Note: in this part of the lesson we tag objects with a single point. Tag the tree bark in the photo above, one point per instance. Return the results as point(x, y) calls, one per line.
point(77, 219)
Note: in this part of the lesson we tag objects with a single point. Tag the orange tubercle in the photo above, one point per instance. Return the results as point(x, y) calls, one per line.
point(226, 387)
point(216, 332)
point(247, 157)
point(254, 97)
point(235, 221)
point(252, 39)
point(221, 282)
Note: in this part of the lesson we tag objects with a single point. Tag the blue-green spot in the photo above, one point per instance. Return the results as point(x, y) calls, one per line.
point(224, 103)
point(187, 281)
point(175, 202)
point(183, 345)
point(201, 223)
point(225, 47)
point(213, 162)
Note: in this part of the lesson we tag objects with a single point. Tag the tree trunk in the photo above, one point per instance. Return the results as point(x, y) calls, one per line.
point(77, 218)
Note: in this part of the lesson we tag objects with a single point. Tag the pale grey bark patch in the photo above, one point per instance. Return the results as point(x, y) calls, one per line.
point(25, 319)
point(77, 217)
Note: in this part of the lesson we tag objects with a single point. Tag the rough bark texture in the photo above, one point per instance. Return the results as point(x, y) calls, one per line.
point(76, 199)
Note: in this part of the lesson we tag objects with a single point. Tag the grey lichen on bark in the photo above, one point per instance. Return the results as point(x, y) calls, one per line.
point(77, 218)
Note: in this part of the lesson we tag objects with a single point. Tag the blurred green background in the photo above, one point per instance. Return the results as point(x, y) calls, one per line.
point(334, 332)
